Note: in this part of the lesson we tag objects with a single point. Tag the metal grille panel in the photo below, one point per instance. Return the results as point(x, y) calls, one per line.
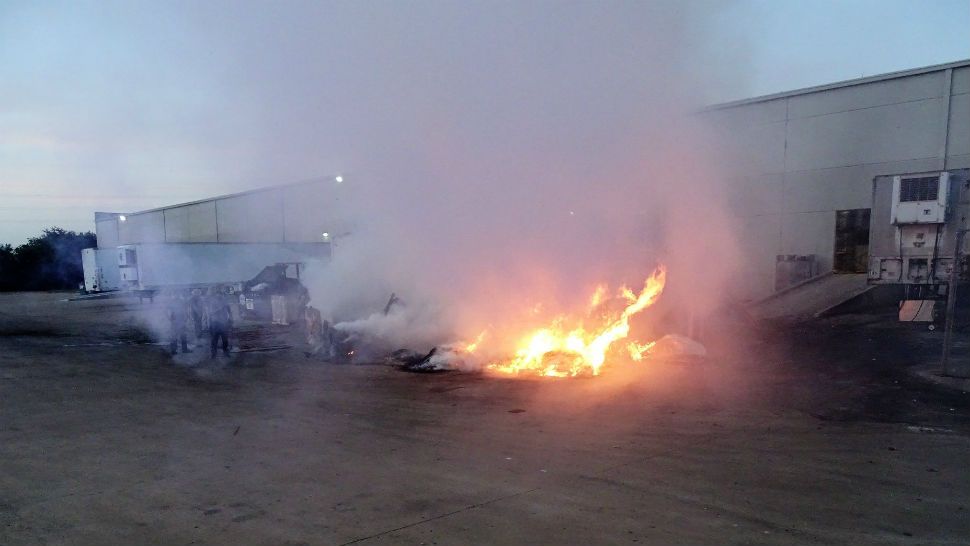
point(925, 188)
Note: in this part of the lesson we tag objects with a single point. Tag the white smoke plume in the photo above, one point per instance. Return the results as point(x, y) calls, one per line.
point(509, 200)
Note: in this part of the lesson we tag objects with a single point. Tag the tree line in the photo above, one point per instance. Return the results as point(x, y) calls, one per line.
point(49, 262)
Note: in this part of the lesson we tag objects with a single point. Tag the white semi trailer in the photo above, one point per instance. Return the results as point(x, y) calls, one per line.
point(101, 272)
point(150, 267)
point(153, 266)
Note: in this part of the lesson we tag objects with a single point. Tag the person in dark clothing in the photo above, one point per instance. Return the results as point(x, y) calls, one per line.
point(197, 310)
point(220, 323)
point(177, 314)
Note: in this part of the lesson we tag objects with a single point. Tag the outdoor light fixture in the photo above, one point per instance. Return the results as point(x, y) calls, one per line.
point(122, 217)
point(339, 179)
point(326, 236)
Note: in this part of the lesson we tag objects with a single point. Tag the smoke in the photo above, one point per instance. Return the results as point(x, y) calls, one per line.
point(505, 157)
point(550, 163)
point(402, 327)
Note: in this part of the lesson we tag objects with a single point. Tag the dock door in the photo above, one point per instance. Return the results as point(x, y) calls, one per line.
point(851, 241)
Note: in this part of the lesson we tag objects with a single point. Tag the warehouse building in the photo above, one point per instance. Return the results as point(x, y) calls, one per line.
point(806, 168)
point(807, 161)
point(224, 239)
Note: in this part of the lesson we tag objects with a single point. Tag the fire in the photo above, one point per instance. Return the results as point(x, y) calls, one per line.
point(556, 351)
point(598, 296)
point(637, 349)
point(473, 346)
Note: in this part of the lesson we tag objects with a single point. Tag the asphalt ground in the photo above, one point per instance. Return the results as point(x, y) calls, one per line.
point(795, 434)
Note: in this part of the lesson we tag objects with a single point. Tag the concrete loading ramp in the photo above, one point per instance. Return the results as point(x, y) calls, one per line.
point(812, 298)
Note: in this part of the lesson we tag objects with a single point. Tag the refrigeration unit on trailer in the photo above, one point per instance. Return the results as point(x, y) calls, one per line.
point(916, 220)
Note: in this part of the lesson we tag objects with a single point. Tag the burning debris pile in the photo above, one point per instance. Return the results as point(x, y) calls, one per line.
point(582, 343)
point(439, 359)
point(568, 347)
point(561, 351)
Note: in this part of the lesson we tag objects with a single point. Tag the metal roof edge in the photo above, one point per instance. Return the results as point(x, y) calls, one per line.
point(103, 216)
point(308, 181)
point(836, 85)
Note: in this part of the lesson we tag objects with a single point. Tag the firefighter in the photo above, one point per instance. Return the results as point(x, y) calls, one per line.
point(220, 322)
point(177, 314)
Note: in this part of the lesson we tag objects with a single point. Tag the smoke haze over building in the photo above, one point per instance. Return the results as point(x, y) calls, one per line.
point(127, 106)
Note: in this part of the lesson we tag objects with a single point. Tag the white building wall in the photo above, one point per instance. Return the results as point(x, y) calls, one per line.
point(228, 238)
point(958, 144)
point(908, 130)
point(146, 227)
point(251, 218)
point(195, 223)
point(801, 157)
point(314, 209)
point(107, 232)
point(309, 211)
point(296, 213)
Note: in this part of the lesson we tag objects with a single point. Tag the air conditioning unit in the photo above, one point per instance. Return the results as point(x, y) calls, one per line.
point(127, 257)
point(920, 199)
point(129, 274)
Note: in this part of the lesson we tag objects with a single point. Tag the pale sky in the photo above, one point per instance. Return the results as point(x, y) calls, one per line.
point(124, 106)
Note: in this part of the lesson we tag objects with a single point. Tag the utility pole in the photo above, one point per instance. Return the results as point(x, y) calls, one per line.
point(951, 301)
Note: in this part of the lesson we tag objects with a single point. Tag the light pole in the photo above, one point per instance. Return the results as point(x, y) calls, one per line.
point(329, 239)
point(951, 301)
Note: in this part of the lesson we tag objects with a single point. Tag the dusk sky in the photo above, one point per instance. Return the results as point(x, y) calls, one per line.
point(132, 105)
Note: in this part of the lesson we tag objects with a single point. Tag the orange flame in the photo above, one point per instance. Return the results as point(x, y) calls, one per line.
point(598, 296)
point(637, 349)
point(555, 352)
point(473, 346)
